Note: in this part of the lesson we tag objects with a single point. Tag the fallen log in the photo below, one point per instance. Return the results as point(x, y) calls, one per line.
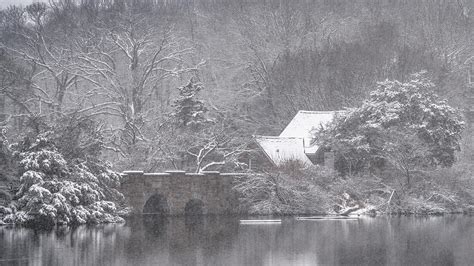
point(348, 210)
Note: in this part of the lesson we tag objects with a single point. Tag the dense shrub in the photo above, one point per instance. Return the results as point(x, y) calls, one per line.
point(314, 190)
point(57, 189)
point(289, 190)
point(403, 124)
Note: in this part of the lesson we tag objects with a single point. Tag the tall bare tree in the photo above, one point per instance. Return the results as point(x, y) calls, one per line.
point(128, 57)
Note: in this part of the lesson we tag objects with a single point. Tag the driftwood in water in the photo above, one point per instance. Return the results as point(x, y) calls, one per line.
point(348, 210)
point(326, 218)
point(276, 221)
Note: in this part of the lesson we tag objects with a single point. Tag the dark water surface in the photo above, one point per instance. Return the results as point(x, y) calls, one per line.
point(445, 240)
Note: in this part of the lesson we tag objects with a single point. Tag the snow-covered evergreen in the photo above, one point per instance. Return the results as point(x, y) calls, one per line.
point(55, 190)
point(188, 109)
point(405, 123)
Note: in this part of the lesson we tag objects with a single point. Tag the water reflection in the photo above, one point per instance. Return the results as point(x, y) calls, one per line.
point(155, 240)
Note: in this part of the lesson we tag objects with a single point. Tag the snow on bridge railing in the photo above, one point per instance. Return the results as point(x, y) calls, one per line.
point(179, 173)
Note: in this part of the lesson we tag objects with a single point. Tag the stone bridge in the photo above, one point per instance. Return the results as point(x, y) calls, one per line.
point(178, 192)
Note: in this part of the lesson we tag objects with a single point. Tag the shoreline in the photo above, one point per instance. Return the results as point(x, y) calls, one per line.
point(467, 212)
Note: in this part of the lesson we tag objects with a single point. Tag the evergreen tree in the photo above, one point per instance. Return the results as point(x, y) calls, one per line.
point(62, 179)
point(405, 124)
point(188, 109)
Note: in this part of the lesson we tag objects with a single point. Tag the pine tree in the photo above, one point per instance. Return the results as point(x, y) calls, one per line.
point(64, 182)
point(188, 109)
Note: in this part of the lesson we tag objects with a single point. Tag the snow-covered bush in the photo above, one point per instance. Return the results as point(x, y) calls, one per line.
point(55, 189)
point(284, 192)
point(405, 124)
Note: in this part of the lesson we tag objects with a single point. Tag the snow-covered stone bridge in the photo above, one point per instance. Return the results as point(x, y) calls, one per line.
point(178, 192)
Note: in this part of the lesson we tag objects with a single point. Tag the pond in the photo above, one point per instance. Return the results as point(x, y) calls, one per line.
point(148, 240)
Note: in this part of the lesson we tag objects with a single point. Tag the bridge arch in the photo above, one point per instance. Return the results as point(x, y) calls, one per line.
point(194, 207)
point(168, 193)
point(156, 204)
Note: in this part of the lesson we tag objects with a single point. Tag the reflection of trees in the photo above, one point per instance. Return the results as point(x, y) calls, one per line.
point(217, 240)
point(63, 245)
point(198, 240)
point(177, 240)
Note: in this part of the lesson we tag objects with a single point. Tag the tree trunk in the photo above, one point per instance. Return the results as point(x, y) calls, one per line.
point(408, 178)
point(2, 108)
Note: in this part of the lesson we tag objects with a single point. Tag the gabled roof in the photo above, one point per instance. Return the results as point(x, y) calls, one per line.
point(305, 121)
point(295, 141)
point(281, 149)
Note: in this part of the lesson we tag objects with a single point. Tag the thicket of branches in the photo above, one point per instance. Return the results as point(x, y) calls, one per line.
point(120, 63)
point(295, 190)
point(156, 84)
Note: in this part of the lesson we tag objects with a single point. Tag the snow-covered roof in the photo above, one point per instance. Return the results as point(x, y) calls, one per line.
point(305, 121)
point(282, 149)
point(295, 141)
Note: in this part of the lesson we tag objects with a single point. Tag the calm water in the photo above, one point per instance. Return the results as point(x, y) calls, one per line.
point(222, 241)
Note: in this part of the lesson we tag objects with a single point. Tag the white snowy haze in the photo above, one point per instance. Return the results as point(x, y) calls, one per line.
point(6, 3)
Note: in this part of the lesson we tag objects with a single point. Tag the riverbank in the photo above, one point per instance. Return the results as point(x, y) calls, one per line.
point(97, 214)
point(313, 190)
point(316, 191)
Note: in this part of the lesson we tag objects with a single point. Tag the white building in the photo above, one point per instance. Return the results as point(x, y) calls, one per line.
point(296, 141)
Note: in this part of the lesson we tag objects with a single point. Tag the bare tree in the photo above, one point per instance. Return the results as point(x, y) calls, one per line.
point(217, 149)
point(153, 55)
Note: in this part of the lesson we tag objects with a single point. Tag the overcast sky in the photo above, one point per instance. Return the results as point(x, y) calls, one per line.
point(5, 3)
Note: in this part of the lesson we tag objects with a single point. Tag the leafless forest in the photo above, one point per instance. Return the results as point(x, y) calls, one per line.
point(108, 72)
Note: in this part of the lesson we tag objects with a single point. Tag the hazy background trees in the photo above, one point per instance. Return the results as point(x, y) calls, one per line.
point(120, 62)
